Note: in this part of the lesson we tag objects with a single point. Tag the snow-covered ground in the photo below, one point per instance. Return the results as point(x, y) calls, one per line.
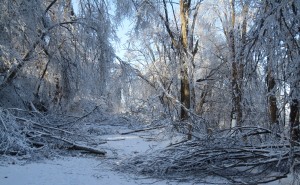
point(85, 169)
point(69, 171)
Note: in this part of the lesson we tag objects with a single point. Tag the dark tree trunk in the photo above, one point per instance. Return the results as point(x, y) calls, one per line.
point(272, 98)
point(185, 93)
point(294, 120)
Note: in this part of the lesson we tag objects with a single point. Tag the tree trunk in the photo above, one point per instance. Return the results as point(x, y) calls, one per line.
point(185, 85)
point(205, 92)
point(294, 120)
point(237, 94)
point(272, 98)
point(237, 58)
point(235, 82)
point(185, 93)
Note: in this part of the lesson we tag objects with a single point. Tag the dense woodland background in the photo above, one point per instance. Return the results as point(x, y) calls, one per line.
point(204, 65)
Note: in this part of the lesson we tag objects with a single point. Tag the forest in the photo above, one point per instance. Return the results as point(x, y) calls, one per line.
point(221, 76)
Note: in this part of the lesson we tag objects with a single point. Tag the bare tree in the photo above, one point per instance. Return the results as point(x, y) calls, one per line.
point(275, 35)
point(52, 49)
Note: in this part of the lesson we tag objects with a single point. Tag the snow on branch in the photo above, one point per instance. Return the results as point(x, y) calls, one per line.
point(251, 156)
point(30, 133)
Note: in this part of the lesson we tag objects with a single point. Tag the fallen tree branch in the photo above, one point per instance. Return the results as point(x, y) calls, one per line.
point(142, 130)
point(78, 119)
point(231, 158)
point(75, 146)
point(44, 126)
point(13, 153)
point(28, 134)
point(89, 149)
point(3, 123)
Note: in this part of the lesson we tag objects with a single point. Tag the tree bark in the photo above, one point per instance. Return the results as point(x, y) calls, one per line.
point(237, 58)
point(185, 82)
point(271, 97)
point(294, 120)
point(185, 93)
point(235, 72)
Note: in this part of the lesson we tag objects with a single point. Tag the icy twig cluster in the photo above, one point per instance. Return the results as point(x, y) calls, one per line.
point(245, 155)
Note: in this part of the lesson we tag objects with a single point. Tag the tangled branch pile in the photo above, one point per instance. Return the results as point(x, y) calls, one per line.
point(30, 134)
point(248, 155)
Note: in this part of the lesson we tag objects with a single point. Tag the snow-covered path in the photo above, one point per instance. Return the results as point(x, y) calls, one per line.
point(69, 171)
point(64, 171)
point(92, 170)
point(85, 170)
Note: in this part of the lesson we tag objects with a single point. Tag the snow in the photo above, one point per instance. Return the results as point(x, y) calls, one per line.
point(92, 170)
point(77, 171)
point(65, 171)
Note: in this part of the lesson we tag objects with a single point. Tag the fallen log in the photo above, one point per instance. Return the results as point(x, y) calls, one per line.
point(86, 148)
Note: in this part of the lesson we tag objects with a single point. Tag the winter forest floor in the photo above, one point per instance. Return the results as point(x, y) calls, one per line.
point(121, 137)
point(79, 168)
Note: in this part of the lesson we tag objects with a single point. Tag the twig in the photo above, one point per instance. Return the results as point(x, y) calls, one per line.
point(3, 123)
